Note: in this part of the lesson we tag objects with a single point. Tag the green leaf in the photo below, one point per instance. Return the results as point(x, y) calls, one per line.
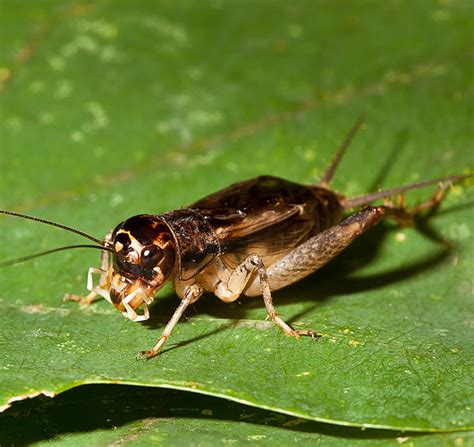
point(121, 415)
point(111, 109)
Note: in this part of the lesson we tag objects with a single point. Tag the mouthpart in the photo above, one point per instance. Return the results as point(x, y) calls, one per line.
point(129, 303)
point(130, 312)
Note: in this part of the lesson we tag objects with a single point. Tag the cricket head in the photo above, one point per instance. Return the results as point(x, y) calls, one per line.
point(143, 260)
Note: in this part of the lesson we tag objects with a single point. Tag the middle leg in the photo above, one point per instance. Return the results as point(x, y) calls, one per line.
point(232, 289)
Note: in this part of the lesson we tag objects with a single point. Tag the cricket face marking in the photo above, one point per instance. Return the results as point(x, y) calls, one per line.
point(143, 261)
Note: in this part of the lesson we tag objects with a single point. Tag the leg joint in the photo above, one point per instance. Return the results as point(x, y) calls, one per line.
point(255, 261)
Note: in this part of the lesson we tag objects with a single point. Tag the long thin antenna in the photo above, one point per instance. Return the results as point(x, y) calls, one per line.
point(368, 198)
point(54, 250)
point(326, 180)
point(54, 224)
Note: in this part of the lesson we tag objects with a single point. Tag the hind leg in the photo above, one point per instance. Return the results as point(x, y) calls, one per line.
point(253, 279)
point(322, 248)
point(406, 216)
point(319, 250)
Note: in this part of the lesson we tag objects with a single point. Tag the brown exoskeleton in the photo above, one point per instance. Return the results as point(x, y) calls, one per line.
point(250, 239)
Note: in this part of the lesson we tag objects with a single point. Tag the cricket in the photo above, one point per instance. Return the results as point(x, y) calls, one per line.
point(249, 239)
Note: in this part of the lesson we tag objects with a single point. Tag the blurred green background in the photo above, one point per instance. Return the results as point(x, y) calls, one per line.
point(113, 108)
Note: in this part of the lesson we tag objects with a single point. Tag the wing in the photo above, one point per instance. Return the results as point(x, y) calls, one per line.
point(265, 215)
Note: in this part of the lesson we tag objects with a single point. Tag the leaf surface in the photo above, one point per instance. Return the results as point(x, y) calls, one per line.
point(114, 109)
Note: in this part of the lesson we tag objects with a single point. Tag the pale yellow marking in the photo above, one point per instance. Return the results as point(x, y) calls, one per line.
point(63, 89)
point(400, 237)
point(309, 155)
point(5, 74)
point(295, 31)
point(41, 309)
point(205, 117)
point(116, 200)
point(441, 15)
point(100, 28)
point(77, 136)
point(14, 123)
point(57, 63)
point(100, 119)
point(168, 29)
point(256, 437)
point(110, 53)
point(37, 86)
point(46, 118)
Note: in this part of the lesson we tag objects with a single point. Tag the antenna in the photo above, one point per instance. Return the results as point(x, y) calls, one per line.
point(54, 250)
point(54, 224)
point(324, 182)
point(368, 198)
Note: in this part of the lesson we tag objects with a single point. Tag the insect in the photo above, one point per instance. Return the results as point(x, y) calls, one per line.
point(251, 239)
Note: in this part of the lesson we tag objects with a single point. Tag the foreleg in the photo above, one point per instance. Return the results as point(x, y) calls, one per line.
point(102, 289)
point(191, 294)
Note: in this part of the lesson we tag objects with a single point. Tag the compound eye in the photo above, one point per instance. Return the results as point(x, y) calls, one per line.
point(122, 242)
point(150, 256)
